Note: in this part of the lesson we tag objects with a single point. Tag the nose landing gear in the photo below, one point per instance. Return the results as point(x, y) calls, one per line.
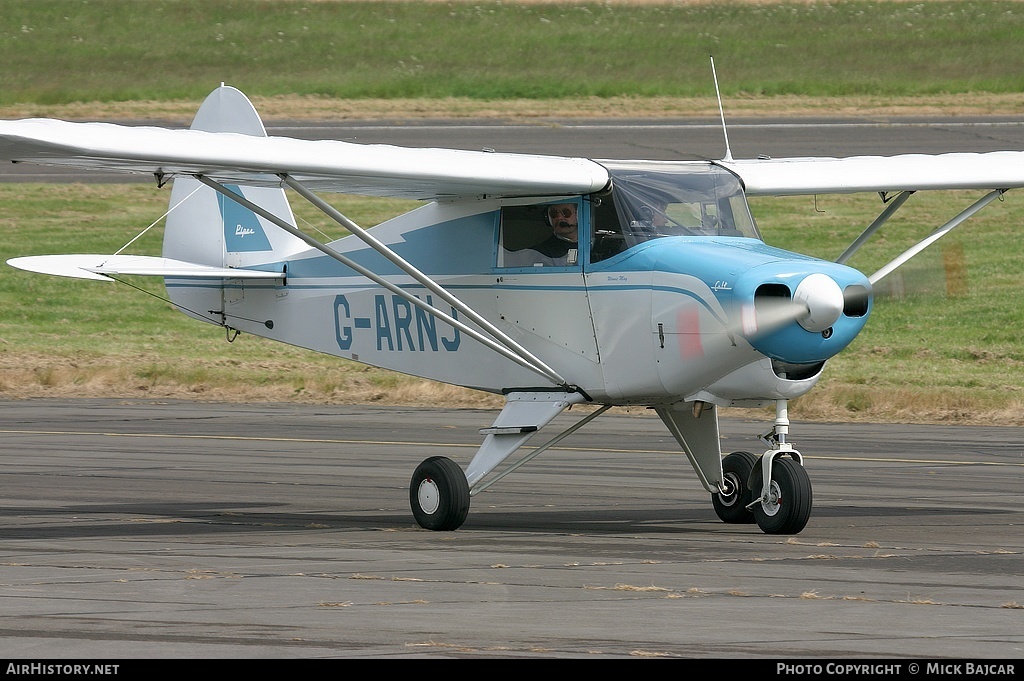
point(783, 504)
point(773, 490)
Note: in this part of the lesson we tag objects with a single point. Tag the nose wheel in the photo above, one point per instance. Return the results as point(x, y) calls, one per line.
point(784, 506)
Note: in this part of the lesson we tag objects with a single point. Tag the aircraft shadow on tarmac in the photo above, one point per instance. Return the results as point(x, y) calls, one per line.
point(203, 519)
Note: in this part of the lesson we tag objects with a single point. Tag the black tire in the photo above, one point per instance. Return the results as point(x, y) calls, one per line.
point(732, 507)
point(790, 513)
point(439, 494)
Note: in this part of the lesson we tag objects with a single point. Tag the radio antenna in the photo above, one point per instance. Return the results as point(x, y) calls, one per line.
point(721, 112)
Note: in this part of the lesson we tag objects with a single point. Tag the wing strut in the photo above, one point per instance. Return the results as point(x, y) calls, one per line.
point(533, 362)
point(507, 348)
point(874, 226)
point(936, 235)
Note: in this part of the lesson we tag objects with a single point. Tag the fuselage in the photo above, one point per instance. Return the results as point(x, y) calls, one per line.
point(668, 294)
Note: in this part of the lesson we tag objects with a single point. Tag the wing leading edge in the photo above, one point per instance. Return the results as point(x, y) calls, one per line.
point(323, 165)
point(906, 172)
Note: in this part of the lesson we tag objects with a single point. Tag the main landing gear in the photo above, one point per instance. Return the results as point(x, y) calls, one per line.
point(440, 491)
point(439, 494)
point(782, 505)
point(772, 490)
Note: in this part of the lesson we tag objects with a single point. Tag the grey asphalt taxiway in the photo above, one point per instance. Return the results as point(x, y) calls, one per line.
point(148, 529)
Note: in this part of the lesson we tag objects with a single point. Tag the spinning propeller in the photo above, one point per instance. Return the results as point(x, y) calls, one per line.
point(816, 305)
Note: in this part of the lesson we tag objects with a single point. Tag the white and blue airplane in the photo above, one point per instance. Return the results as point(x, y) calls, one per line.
point(553, 281)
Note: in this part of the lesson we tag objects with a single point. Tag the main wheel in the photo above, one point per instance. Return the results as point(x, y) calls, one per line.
point(789, 505)
point(439, 494)
point(731, 506)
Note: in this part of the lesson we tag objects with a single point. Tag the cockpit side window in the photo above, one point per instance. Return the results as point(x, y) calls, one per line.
point(607, 237)
point(540, 235)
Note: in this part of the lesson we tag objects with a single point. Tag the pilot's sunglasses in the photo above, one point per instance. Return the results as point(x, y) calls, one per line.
point(560, 212)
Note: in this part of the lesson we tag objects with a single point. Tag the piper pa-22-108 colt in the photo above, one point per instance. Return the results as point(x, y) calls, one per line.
point(657, 289)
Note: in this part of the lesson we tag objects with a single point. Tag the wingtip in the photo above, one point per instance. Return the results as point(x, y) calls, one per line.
point(72, 266)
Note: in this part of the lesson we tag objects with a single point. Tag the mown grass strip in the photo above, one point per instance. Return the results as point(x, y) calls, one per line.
point(60, 51)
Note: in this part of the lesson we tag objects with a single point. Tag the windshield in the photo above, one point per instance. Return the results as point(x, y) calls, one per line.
point(654, 200)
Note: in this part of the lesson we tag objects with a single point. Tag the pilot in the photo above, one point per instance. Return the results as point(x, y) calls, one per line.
point(659, 220)
point(653, 220)
point(561, 248)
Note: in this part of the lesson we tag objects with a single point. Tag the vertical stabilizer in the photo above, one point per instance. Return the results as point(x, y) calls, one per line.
point(208, 228)
point(212, 230)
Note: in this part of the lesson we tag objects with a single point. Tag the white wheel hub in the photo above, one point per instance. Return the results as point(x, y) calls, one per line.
point(773, 503)
point(428, 496)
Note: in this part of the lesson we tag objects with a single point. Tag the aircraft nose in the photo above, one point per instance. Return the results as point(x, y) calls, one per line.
point(823, 299)
point(802, 317)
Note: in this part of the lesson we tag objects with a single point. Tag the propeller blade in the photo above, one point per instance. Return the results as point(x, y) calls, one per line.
point(767, 315)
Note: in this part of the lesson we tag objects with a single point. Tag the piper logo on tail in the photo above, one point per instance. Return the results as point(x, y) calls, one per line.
point(242, 229)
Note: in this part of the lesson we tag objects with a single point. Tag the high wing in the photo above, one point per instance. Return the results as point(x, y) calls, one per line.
point(227, 147)
point(385, 170)
point(905, 172)
point(323, 165)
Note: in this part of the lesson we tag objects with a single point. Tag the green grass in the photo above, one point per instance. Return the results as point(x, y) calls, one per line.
point(60, 51)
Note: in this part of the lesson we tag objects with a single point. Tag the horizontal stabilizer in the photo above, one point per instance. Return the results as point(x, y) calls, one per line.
point(97, 267)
